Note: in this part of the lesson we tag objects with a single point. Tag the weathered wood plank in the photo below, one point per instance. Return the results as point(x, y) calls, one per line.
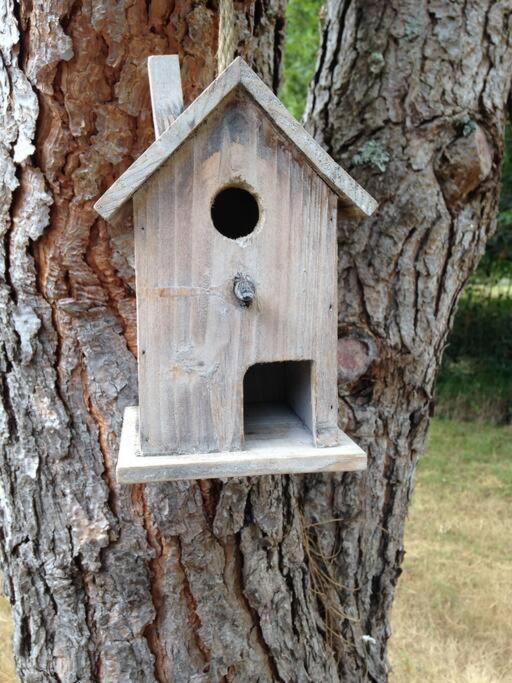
point(196, 341)
point(288, 449)
point(237, 74)
point(165, 88)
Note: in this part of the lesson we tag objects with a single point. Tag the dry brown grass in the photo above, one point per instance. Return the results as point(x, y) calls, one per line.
point(452, 618)
point(7, 674)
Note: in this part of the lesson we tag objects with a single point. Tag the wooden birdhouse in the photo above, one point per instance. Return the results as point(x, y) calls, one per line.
point(235, 211)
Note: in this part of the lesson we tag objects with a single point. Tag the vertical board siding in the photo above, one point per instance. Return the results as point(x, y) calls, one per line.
point(196, 341)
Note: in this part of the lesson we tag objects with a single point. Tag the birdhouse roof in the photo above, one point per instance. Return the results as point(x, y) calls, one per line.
point(237, 75)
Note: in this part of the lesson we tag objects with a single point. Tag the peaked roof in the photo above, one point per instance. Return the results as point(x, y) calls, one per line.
point(238, 74)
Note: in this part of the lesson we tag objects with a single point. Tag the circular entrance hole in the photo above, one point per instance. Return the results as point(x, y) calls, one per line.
point(235, 212)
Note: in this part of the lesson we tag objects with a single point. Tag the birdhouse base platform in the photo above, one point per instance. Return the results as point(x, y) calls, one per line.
point(276, 442)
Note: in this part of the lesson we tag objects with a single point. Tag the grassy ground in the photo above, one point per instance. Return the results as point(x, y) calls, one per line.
point(452, 616)
point(451, 619)
point(475, 382)
point(6, 663)
point(475, 389)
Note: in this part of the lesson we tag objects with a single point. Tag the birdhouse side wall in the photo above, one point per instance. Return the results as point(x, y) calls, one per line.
point(196, 340)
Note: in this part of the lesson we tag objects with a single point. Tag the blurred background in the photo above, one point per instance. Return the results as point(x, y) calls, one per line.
point(451, 620)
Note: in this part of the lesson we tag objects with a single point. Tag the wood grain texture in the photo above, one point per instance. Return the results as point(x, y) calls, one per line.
point(278, 444)
point(237, 75)
point(165, 90)
point(195, 340)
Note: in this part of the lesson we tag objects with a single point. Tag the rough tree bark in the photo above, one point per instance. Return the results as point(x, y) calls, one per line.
point(269, 579)
point(411, 97)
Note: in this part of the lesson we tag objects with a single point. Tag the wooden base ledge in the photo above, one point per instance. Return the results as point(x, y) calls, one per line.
point(290, 452)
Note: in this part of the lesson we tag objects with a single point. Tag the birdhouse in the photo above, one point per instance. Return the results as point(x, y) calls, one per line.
point(235, 211)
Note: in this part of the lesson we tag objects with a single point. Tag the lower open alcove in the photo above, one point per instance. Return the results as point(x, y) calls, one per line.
point(278, 403)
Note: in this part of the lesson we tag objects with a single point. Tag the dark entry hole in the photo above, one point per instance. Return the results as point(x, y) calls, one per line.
point(277, 397)
point(235, 212)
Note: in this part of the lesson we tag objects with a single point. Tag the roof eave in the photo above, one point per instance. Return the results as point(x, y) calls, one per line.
point(164, 146)
point(347, 189)
point(237, 73)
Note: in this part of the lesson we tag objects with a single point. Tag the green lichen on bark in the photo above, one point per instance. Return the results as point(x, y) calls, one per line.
point(373, 153)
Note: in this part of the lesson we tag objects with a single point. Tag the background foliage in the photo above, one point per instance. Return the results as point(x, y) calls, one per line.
point(302, 41)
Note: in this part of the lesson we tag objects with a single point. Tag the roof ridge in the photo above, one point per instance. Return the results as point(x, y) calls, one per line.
point(236, 74)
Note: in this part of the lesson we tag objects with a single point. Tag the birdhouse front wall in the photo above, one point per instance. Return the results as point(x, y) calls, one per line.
point(196, 340)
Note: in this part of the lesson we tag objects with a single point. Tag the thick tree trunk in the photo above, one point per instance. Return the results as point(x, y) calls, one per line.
point(269, 579)
point(411, 98)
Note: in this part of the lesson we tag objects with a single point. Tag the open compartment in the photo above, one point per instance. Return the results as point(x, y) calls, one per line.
point(278, 402)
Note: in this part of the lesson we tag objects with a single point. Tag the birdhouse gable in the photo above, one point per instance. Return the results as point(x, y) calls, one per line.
point(238, 76)
point(238, 177)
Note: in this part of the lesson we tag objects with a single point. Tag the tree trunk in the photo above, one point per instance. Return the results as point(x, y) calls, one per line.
point(263, 579)
point(411, 98)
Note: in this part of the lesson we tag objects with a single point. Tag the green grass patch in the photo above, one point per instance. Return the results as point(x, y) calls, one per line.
point(462, 455)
